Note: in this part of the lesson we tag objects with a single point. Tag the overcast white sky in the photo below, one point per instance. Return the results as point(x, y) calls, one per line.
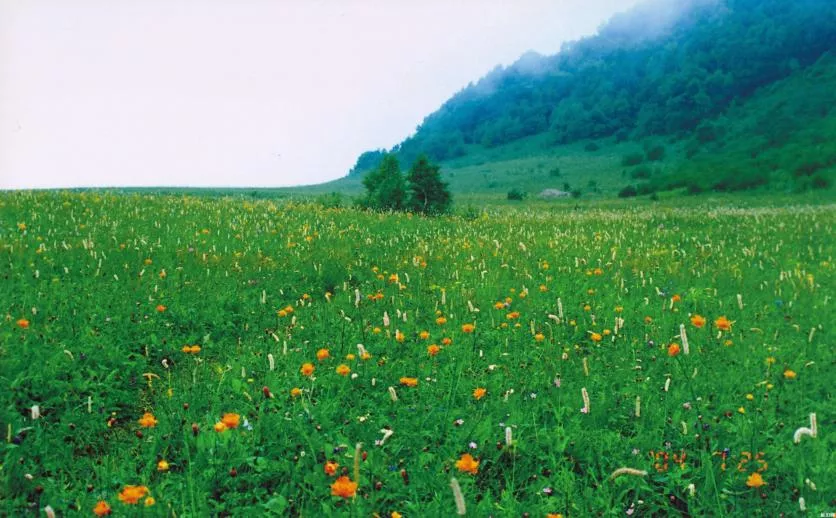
point(246, 93)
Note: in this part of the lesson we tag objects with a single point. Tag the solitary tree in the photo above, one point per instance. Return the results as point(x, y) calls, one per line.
point(428, 194)
point(385, 186)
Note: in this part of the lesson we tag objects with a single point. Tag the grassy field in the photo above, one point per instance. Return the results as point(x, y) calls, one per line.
point(192, 356)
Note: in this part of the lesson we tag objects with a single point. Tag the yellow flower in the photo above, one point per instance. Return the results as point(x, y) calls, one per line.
point(750, 397)
point(322, 354)
point(770, 360)
point(344, 487)
point(479, 393)
point(343, 370)
point(467, 464)
point(755, 480)
point(468, 328)
point(148, 420)
point(295, 392)
point(231, 420)
point(595, 337)
point(723, 324)
point(162, 465)
point(790, 374)
point(399, 336)
point(131, 494)
point(424, 335)
point(539, 337)
point(150, 501)
point(220, 427)
point(409, 382)
point(331, 468)
point(741, 410)
point(102, 508)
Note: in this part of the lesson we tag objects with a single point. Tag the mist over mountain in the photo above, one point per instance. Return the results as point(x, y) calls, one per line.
point(663, 68)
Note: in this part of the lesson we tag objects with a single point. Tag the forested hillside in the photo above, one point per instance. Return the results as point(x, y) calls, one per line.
point(678, 70)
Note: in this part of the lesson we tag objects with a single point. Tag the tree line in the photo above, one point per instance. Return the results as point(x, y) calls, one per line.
point(631, 82)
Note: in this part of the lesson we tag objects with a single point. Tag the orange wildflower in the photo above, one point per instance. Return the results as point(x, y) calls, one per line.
point(23, 323)
point(467, 464)
point(539, 337)
point(468, 328)
point(409, 382)
point(220, 427)
point(790, 374)
point(149, 501)
point(295, 392)
point(307, 369)
point(132, 494)
point(446, 341)
point(441, 321)
point(102, 508)
point(344, 487)
point(673, 350)
point(161, 308)
point(697, 321)
point(322, 354)
point(163, 466)
point(343, 370)
point(595, 337)
point(433, 349)
point(424, 335)
point(331, 468)
point(399, 336)
point(676, 298)
point(755, 480)
point(231, 420)
point(147, 420)
point(723, 324)
point(479, 393)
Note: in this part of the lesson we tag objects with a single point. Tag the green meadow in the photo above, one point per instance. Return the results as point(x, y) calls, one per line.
point(181, 355)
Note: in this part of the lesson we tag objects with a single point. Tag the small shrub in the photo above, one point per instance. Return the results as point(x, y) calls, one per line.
point(642, 173)
point(628, 192)
point(555, 172)
point(591, 147)
point(632, 159)
point(656, 153)
point(820, 182)
point(516, 194)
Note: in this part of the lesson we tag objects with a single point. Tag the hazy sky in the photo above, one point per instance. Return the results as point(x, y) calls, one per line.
point(246, 93)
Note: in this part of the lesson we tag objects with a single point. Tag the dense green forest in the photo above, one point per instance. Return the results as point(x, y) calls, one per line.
point(678, 71)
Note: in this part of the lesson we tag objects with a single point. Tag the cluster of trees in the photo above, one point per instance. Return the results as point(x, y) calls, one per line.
point(421, 190)
point(660, 69)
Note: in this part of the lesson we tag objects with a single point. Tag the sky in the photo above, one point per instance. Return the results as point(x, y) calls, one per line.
point(100, 93)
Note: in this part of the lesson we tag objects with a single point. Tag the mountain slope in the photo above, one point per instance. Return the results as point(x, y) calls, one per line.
point(664, 71)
